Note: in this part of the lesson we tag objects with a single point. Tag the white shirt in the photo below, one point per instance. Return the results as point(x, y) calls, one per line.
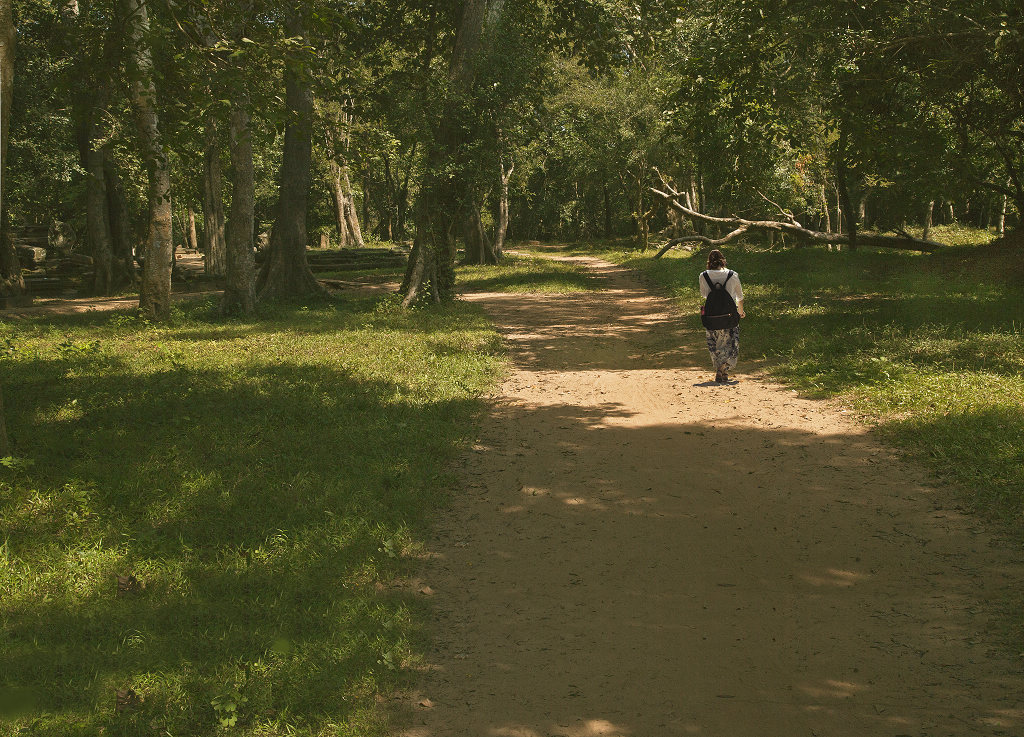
point(734, 288)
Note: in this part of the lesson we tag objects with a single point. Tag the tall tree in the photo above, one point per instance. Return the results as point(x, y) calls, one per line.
point(338, 122)
point(86, 46)
point(214, 246)
point(285, 272)
point(445, 188)
point(240, 286)
point(11, 282)
point(505, 169)
point(158, 250)
point(10, 270)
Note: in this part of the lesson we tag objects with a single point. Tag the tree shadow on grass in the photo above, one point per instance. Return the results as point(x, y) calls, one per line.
point(252, 513)
point(984, 444)
point(821, 312)
point(912, 333)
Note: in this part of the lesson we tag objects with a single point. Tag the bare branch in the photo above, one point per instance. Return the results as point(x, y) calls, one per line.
point(740, 225)
point(788, 215)
point(701, 239)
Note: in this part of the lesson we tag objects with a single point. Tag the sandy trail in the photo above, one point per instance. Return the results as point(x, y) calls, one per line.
point(637, 553)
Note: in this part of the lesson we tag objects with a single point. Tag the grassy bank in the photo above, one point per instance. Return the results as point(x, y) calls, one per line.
point(522, 274)
point(929, 348)
point(206, 523)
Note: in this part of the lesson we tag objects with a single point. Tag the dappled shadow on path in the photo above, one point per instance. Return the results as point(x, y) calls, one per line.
point(633, 579)
point(587, 330)
point(635, 552)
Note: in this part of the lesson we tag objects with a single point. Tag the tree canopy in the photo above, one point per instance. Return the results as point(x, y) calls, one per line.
point(450, 126)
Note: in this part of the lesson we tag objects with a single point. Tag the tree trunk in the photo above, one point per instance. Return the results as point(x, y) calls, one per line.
point(11, 282)
point(89, 106)
point(366, 204)
point(285, 272)
point(158, 250)
point(844, 192)
point(214, 246)
point(700, 202)
point(643, 216)
point(346, 216)
point(1002, 218)
point(120, 227)
point(607, 211)
point(928, 219)
point(421, 277)
point(339, 204)
point(5, 446)
point(190, 229)
point(826, 210)
point(240, 287)
point(403, 197)
point(442, 189)
point(351, 216)
point(97, 210)
point(93, 156)
point(478, 246)
point(503, 210)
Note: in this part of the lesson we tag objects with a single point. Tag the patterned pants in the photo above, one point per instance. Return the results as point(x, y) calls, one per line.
point(724, 346)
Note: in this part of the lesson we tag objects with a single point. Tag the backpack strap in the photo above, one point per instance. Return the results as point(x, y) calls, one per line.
point(727, 278)
point(711, 284)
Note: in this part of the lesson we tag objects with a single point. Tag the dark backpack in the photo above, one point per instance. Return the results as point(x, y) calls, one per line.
point(719, 311)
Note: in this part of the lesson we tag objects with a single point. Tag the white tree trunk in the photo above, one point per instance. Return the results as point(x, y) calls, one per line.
point(338, 192)
point(503, 210)
point(158, 250)
point(825, 210)
point(190, 233)
point(351, 217)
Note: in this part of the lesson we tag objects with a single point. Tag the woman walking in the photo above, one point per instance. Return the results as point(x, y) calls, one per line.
point(724, 345)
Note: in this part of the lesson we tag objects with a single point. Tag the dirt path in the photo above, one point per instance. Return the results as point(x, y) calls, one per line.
point(637, 553)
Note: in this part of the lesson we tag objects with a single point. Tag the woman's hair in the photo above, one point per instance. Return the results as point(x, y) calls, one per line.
point(716, 260)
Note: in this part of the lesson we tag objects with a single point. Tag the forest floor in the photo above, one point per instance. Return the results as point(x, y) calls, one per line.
point(636, 551)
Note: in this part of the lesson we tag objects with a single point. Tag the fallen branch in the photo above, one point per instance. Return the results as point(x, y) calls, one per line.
point(701, 239)
point(902, 241)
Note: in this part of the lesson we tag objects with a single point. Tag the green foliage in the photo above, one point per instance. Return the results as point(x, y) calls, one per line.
point(211, 517)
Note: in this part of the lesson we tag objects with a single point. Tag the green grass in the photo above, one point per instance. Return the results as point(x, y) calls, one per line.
point(526, 274)
point(928, 348)
point(515, 274)
point(365, 276)
point(265, 482)
point(957, 234)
